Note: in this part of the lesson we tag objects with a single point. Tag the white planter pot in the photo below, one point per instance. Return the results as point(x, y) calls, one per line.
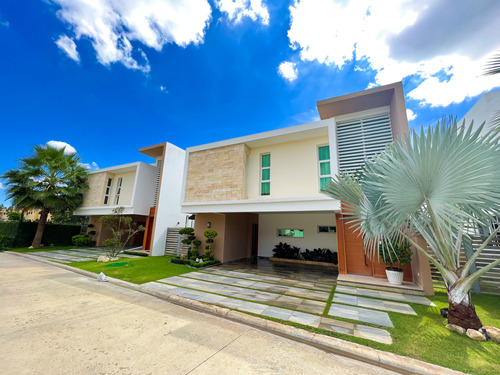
point(394, 277)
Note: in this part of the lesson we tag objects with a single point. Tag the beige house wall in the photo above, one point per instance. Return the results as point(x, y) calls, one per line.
point(294, 169)
point(94, 195)
point(216, 174)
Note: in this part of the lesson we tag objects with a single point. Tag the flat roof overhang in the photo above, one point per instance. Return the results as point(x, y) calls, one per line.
point(312, 204)
point(358, 101)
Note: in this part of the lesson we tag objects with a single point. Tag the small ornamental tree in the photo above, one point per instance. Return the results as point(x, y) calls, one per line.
point(209, 235)
point(190, 239)
point(123, 229)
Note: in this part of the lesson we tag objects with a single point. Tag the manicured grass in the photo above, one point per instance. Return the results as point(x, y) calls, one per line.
point(45, 248)
point(425, 337)
point(143, 270)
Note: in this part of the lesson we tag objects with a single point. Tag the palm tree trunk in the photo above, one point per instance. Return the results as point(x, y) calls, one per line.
point(463, 313)
point(40, 228)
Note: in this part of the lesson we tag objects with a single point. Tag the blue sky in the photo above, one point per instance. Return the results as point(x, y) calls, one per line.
point(115, 76)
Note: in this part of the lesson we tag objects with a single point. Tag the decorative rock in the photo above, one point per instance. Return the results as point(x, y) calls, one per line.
point(113, 259)
point(454, 327)
point(476, 335)
point(493, 333)
point(103, 258)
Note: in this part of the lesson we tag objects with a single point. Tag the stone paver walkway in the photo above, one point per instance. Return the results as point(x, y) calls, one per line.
point(361, 314)
point(269, 298)
point(384, 295)
point(371, 303)
point(74, 255)
point(271, 287)
point(272, 279)
point(358, 330)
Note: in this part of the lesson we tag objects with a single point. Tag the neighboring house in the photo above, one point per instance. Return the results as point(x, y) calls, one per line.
point(266, 188)
point(33, 214)
point(150, 194)
point(484, 111)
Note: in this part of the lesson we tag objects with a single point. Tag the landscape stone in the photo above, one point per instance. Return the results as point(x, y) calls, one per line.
point(476, 335)
point(103, 258)
point(454, 327)
point(493, 333)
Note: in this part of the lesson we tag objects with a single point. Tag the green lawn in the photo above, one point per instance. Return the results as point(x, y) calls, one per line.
point(45, 248)
point(425, 337)
point(144, 269)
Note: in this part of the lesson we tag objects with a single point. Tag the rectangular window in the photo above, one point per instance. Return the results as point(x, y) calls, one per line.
point(118, 190)
point(326, 229)
point(297, 233)
point(325, 173)
point(108, 189)
point(265, 174)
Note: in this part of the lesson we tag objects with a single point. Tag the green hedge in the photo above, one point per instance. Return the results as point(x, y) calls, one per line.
point(22, 233)
point(193, 263)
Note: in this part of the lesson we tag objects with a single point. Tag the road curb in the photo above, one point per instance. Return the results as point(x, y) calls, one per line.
point(391, 361)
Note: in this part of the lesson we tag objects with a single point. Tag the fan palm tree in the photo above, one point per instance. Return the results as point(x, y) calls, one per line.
point(49, 180)
point(439, 185)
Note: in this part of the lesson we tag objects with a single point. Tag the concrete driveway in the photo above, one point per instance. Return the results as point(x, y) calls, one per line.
point(53, 321)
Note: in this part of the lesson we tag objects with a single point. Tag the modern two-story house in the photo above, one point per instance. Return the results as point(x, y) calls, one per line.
point(149, 193)
point(266, 188)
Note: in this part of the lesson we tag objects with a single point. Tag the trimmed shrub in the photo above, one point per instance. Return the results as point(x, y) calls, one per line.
point(138, 253)
point(5, 242)
point(192, 263)
point(320, 255)
point(22, 233)
point(80, 240)
point(284, 250)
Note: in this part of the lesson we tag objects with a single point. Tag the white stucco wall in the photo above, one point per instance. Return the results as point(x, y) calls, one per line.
point(269, 223)
point(294, 169)
point(168, 210)
point(483, 111)
point(126, 190)
point(144, 190)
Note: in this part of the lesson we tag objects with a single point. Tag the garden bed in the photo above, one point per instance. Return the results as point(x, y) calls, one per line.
point(299, 261)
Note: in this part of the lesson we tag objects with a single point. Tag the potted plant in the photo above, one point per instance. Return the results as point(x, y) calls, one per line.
point(394, 255)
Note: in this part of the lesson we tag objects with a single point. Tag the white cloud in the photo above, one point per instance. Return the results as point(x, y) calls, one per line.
point(112, 26)
point(91, 166)
point(2, 186)
point(401, 38)
point(237, 9)
point(288, 71)
point(164, 89)
point(68, 149)
point(68, 45)
point(410, 114)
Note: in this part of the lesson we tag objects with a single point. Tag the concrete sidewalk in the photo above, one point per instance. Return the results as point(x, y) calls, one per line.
point(53, 321)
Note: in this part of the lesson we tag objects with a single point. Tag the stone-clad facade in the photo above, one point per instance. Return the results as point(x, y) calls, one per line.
point(94, 196)
point(217, 174)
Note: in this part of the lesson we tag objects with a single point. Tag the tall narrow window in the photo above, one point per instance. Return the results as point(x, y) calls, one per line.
point(265, 174)
point(118, 190)
point(108, 189)
point(325, 173)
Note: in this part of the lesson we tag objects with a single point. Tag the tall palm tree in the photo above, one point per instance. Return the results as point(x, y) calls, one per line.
point(48, 180)
point(441, 186)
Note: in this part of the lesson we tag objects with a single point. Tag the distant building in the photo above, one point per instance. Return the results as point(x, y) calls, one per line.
point(485, 110)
